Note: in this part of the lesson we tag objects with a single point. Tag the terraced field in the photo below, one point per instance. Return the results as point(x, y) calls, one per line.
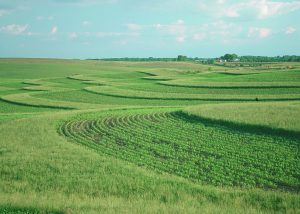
point(89, 136)
point(193, 148)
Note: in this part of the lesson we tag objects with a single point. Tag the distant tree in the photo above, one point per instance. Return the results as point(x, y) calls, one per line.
point(292, 58)
point(229, 57)
point(234, 56)
point(181, 58)
point(211, 61)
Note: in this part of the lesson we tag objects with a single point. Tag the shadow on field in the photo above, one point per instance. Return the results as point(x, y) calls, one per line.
point(190, 99)
point(252, 129)
point(27, 210)
point(227, 87)
point(49, 107)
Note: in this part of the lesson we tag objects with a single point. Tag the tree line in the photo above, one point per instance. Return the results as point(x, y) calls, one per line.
point(227, 57)
point(286, 58)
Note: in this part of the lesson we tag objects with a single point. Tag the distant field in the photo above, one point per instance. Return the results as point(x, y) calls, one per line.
point(281, 115)
point(143, 137)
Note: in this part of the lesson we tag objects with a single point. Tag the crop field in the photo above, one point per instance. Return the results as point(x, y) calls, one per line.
point(87, 136)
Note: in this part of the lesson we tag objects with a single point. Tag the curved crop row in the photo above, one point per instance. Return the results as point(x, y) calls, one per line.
point(138, 94)
point(201, 151)
point(31, 99)
point(230, 85)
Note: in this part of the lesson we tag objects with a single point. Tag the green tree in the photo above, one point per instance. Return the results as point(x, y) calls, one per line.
point(229, 57)
point(181, 58)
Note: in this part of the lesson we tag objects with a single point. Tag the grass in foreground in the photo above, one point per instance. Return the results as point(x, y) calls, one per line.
point(53, 174)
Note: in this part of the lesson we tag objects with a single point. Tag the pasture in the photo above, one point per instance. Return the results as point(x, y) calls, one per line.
point(148, 137)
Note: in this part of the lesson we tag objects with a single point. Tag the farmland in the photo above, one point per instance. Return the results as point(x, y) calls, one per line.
point(84, 136)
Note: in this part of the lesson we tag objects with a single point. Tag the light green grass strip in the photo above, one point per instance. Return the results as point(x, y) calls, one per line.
point(128, 93)
point(206, 84)
point(28, 100)
point(282, 115)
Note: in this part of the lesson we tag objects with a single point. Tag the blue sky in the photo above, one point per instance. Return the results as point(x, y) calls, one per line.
point(156, 28)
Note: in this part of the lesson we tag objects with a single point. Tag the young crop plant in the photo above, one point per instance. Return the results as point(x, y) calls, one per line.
point(199, 150)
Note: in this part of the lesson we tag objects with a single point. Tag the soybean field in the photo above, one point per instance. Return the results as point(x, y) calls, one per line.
point(92, 136)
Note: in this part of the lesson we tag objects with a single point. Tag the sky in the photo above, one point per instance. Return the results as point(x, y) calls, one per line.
point(148, 28)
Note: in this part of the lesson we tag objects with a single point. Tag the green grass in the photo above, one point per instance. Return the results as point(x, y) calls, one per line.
point(281, 115)
point(148, 137)
point(213, 96)
point(95, 98)
point(7, 107)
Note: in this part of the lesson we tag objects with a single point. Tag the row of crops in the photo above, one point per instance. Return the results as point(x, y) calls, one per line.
point(209, 86)
point(203, 86)
point(203, 151)
point(164, 88)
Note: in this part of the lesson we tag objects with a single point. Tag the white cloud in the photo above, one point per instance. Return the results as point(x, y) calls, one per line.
point(180, 39)
point(86, 23)
point(4, 12)
point(14, 29)
point(134, 26)
point(54, 30)
point(231, 12)
point(42, 18)
point(271, 8)
point(290, 30)
point(264, 32)
point(157, 26)
point(217, 30)
point(261, 9)
point(107, 34)
point(121, 42)
point(178, 29)
point(180, 22)
point(220, 1)
point(73, 35)
point(218, 8)
point(259, 32)
point(116, 34)
point(199, 36)
point(84, 2)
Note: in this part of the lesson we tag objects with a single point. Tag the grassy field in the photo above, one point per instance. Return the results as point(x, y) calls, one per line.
point(148, 137)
